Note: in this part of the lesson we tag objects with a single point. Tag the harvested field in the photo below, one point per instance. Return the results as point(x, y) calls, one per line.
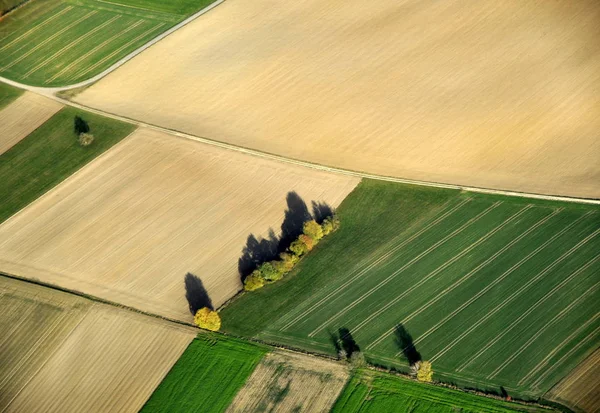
point(58, 42)
point(207, 376)
point(288, 382)
point(66, 354)
point(160, 219)
point(495, 291)
point(373, 392)
point(492, 94)
point(23, 116)
point(580, 389)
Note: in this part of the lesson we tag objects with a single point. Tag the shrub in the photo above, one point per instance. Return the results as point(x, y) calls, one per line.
point(298, 248)
point(424, 372)
point(313, 230)
point(288, 260)
point(254, 281)
point(330, 224)
point(207, 319)
point(85, 139)
point(357, 360)
point(270, 271)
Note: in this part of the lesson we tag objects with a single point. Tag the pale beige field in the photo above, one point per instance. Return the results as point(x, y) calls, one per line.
point(580, 390)
point(287, 382)
point(132, 224)
point(23, 116)
point(61, 353)
point(495, 94)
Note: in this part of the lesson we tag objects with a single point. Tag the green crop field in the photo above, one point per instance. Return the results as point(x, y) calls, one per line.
point(373, 392)
point(8, 94)
point(495, 291)
point(50, 154)
point(61, 42)
point(207, 376)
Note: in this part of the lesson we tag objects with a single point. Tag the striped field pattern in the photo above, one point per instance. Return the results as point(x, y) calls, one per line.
point(67, 41)
point(494, 292)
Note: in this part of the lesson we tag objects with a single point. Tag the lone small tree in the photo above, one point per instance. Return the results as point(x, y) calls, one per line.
point(85, 139)
point(207, 319)
point(424, 371)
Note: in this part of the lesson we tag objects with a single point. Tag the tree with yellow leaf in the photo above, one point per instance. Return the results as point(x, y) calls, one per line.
point(208, 319)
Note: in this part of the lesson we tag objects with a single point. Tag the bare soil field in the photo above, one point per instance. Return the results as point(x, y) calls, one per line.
point(288, 382)
point(579, 390)
point(158, 221)
point(63, 353)
point(492, 94)
point(23, 116)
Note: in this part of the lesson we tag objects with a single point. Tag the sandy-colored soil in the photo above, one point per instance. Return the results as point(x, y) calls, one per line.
point(61, 353)
point(131, 225)
point(23, 116)
point(496, 94)
point(580, 389)
point(287, 382)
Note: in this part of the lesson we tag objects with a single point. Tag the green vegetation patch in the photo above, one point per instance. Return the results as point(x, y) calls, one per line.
point(50, 154)
point(63, 42)
point(8, 94)
point(370, 392)
point(207, 376)
point(499, 293)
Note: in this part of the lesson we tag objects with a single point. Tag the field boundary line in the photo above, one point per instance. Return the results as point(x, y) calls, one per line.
point(541, 331)
point(556, 349)
point(377, 261)
point(28, 32)
point(430, 275)
point(539, 302)
point(492, 284)
point(523, 288)
point(70, 45)
point(49, 39)
point(404, 267)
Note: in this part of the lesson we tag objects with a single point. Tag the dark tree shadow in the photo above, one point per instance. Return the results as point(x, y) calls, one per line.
point(321, 210)
point(406, 345)
point(347, 341)
point(256, 251)
point(296, 215)
point(80, 126)
point(196, 294)
point(335, 341)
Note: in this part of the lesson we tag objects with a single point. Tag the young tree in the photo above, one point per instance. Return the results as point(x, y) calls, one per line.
point(308, 241)
point(288, 260)
point(357, 360)
point(330, 224)
point(298, 248)
point(313, 230)
point(270, 272)
point(207, 319)
point(254, 281)
point(424, 372)
point(85, 139)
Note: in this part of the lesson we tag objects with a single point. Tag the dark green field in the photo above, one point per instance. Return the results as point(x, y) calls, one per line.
point(50, 154)
point(8, 94)
point(207, 376)
point(372, 392)
point(495, 291)
point(62, 42)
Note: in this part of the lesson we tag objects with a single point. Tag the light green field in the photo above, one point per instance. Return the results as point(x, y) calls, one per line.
point(207, 376)
point(495, 291)
point(8, 94)
point(370, 392)
point(61, 42)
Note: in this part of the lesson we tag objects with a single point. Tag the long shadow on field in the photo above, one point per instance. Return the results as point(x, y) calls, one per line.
point(196, 294)
point(344, 341)
point(406, 345)
point(259, 250)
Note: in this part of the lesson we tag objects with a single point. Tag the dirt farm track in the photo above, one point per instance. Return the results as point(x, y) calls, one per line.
point(504, 95)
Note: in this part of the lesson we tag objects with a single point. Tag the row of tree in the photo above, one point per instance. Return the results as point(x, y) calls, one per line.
point(272, 271)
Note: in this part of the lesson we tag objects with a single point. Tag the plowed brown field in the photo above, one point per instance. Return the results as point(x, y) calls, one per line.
point(495, 94)
point(23, 116)
point(132, 224)
point(62, 353)
point(580, 389)
point(287, 382)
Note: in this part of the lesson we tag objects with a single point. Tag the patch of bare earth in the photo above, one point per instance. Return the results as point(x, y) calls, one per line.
point(132, 225)
point(288, 382)
point(580, 389)
point(62, 353)
point(23, 116)
point(495, 94)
